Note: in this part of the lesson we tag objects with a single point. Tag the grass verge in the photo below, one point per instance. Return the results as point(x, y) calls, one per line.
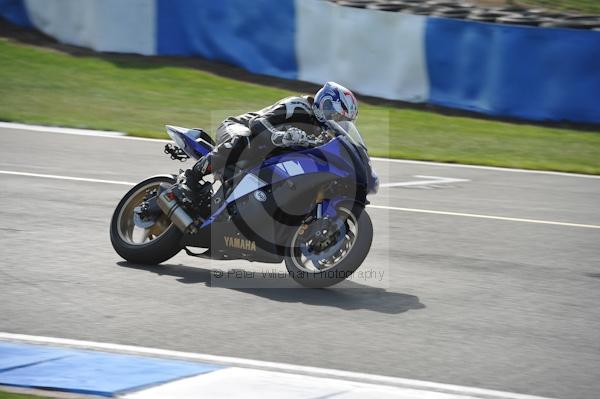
point(580, 6)
point(13, 395)
point(130, 94)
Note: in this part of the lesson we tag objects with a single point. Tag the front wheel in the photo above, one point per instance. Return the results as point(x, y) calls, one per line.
point(320, 256)
point(153, 244)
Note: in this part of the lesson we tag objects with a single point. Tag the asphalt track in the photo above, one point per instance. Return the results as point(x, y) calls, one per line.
point(503, 304)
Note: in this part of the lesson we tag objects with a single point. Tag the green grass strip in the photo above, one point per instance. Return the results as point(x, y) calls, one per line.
point(580, 6)
point(12, 395)
point(43, 86)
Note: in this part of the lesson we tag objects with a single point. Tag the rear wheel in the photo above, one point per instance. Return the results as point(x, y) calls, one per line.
point(154, 242)
point(316, 259)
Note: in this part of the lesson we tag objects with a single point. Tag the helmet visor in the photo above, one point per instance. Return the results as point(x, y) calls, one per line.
point(332, 114)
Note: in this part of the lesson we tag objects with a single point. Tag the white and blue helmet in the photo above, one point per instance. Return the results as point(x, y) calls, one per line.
point(335, 102)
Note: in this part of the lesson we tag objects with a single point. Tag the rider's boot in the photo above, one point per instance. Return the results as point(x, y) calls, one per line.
point(213, 162)
point(193, 189)
point(200, 169)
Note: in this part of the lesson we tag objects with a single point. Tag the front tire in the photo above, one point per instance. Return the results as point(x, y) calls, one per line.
point(309, 276)
point(149, 246)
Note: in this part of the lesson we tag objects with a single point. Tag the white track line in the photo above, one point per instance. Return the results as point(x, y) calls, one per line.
point(273, 366)
point(120, 135)
point(393, 208)
point(77, 132)
point(495, 168)
point(9, 172)
point(471, 215)
point(61, 130)
point(431, 181)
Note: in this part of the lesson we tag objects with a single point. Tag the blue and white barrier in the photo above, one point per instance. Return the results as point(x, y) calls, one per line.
point(544, 74)
point(524, 72)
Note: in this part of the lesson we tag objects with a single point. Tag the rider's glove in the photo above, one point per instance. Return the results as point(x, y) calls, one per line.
point(291, 137)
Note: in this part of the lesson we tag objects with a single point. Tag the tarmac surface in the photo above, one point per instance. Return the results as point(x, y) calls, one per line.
point(502, 304)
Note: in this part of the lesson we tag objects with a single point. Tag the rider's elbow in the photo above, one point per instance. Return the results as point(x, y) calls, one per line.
point(256, 124)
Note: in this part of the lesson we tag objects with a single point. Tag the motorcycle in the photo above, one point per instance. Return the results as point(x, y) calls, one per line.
point(303, 206)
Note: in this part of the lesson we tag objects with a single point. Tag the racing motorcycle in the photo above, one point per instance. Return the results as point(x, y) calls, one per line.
point(304, 206)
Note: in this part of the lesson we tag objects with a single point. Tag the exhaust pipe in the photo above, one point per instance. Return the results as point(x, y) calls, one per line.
point(170, 207)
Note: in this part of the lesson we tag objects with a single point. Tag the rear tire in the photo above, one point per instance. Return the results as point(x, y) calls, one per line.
point(342, 270)
point(156, 250)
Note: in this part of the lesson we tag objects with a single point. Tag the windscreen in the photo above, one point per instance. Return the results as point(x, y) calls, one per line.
point(348, 129)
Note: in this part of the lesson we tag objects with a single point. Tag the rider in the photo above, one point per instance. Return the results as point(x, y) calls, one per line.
point(291, 122)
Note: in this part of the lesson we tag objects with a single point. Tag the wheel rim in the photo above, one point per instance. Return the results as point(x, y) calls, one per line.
point(128, 231)
point(309, 265)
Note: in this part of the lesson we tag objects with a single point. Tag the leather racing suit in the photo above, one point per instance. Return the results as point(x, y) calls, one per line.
point(254, 135)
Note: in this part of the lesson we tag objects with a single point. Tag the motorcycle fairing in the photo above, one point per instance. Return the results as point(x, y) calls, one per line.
point(267, 221)
point(329, 158)
point(288, 182)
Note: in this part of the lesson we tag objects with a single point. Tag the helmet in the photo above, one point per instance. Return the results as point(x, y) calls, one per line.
point(335, 102)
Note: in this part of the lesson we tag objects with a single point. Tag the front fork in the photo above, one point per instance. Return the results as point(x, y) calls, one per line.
point(327, 208)
point(321, 231)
